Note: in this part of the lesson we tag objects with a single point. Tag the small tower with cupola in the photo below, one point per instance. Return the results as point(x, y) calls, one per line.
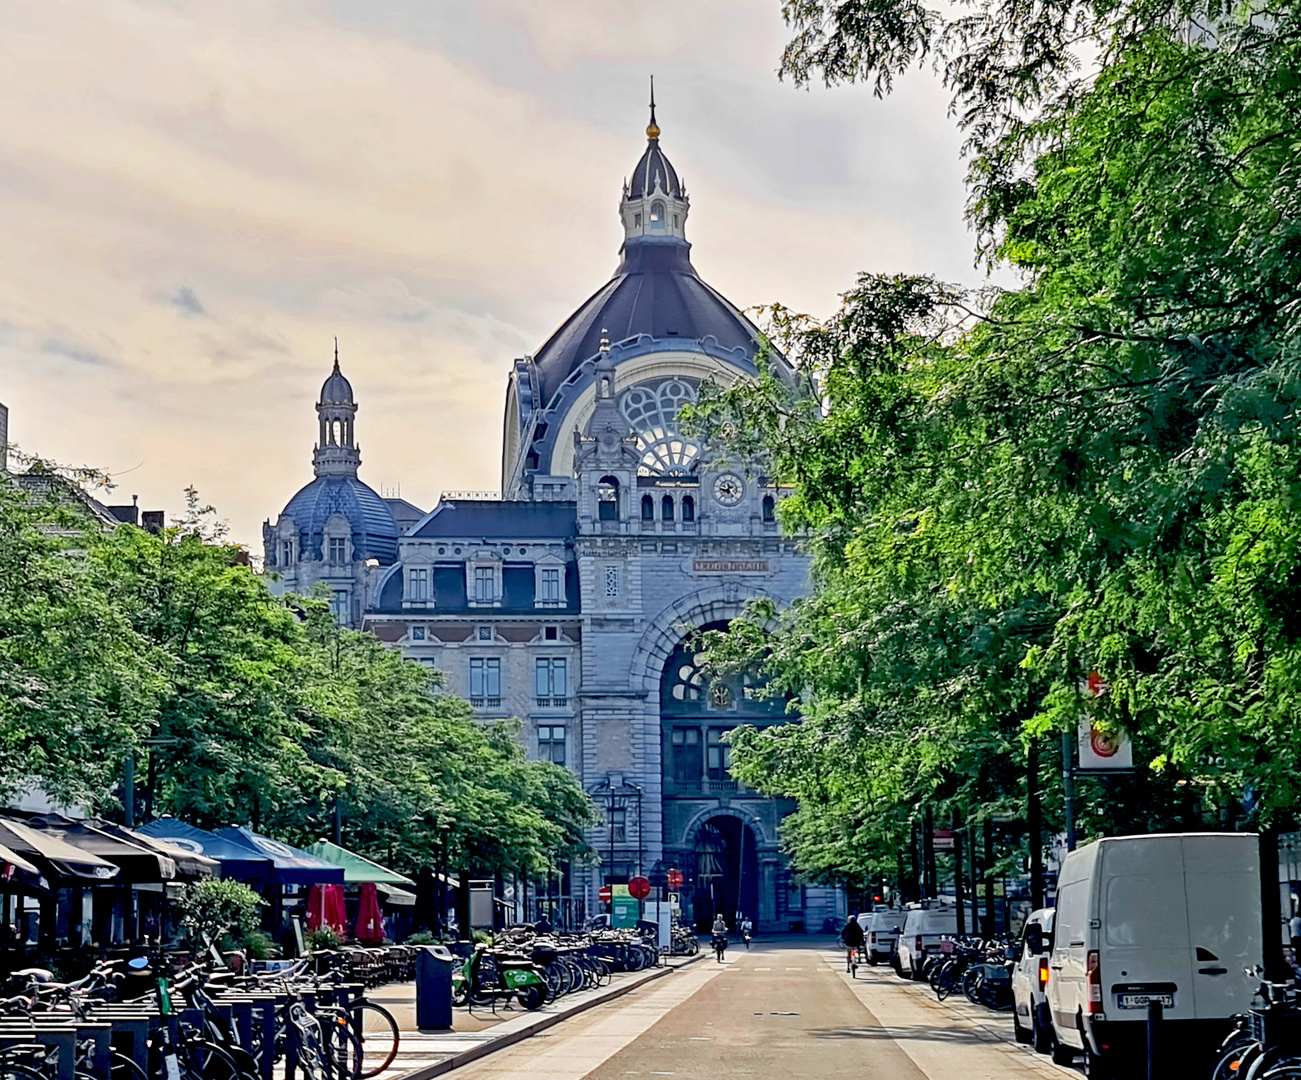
point(655, 202)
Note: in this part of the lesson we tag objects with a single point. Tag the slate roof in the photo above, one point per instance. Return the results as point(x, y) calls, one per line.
point(374, 532)
point(655, 291)
point(501, 520)
point(654, 171)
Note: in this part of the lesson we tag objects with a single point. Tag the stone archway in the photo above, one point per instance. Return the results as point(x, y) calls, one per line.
point(726, 877)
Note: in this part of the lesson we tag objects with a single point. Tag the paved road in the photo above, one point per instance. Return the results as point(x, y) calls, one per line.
point(783, 1011)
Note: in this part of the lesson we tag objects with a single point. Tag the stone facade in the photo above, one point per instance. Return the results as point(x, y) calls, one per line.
point(571, 601)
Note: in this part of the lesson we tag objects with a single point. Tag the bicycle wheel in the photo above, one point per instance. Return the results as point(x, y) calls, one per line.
point(377, 1030)
point(205, 1059)
point(18, 1072)
point(342, 1052)
point(121, 1067)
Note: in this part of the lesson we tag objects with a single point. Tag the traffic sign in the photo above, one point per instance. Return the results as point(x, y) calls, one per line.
point(675, 878)
point(639, 888)
point(606, 894)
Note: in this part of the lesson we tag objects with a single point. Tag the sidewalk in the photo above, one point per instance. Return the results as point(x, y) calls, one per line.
point(426, 1054)
point(927, 1029)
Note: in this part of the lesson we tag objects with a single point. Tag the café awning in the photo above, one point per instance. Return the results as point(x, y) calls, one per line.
point(138, 863)
point(60, 863)
point(189, 864)
point(357, 868)
point(11, 858)
point(236, 860)
point(291, 865)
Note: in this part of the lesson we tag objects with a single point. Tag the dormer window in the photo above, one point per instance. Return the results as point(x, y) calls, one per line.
point(657, 217)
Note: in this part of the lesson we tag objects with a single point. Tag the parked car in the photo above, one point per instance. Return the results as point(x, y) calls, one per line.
point(923, 930)
point(1171, 919)
point(1030, 1019)
point(881, 934)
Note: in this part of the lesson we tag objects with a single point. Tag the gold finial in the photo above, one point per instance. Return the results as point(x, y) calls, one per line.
point(652, 129)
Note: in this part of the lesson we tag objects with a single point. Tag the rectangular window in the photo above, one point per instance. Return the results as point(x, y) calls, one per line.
point(611, 581)
point(551, 743)
point(550, 584)
point(287, 553)
point(618, 824)
point(418, 588)
point(719, 754)
point(552, 682)
point(485, 683)
point(686, 756)
point(485, 585)
point(340, 606)
point(338, 549)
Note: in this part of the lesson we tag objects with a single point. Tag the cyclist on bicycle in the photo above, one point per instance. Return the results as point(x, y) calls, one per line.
point(718, 933)
point(852, 938)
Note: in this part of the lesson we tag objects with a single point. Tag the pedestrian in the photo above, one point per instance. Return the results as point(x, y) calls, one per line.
point(852, 938)
point(719, 933)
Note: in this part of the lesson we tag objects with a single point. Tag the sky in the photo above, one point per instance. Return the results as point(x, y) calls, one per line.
point(196, 198)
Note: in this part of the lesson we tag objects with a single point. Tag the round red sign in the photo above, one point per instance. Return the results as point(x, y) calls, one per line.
point(675, 878)
point(605, 894)
point(639, 888)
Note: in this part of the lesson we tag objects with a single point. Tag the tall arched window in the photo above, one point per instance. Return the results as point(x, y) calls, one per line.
point(688, 508)
point(647, 508)
point(666, 508)
point(657, 217)
point(607, 499)
point(769, 508)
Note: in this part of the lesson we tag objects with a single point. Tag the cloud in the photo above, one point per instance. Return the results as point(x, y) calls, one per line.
point(435, 182)
point(185, 301)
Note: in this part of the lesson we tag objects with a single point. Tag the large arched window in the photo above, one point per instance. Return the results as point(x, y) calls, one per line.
point(607, 499)
point(666, 508)
point(769, 509)
point(648, 508)
point(688, 508)
point(651, 410)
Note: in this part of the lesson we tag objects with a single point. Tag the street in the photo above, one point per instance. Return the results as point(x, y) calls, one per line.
point(780, 1011)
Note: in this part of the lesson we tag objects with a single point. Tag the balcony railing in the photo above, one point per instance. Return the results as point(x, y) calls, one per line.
point(552, 702)
point(486, 702)
point(705, 786)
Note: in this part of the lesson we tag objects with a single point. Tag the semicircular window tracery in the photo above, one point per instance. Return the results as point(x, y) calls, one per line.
point(652, 411)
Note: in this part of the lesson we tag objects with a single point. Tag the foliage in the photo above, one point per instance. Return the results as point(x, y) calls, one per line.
point(1095, 472)
point(421, 937)
point(213, 908)
point(323, 939)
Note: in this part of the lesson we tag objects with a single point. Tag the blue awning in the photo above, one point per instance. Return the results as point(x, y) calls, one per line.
point(293, 866)
point(237, 860)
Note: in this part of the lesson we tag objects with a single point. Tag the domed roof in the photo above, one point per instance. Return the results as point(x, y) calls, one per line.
point(654, 171)
point(336, 390)
point(655, 291)
point(374, 532)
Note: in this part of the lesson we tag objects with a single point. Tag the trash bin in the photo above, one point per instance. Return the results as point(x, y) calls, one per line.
point(434, 987)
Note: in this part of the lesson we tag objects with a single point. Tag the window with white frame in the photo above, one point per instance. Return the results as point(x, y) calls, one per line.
point(485, 683)
point(418, 584)
point(549, 585)
point(552, 682)
point(485, 584)
point(551, 743)
point(338, 549)
point(340, 606)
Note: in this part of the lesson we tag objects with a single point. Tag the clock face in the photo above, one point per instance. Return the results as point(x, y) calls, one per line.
point(728, 489)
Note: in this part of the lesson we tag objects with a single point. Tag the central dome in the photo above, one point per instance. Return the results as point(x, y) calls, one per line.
point(374, 532)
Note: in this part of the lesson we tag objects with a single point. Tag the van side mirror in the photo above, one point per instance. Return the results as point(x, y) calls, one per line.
point(1035, 942)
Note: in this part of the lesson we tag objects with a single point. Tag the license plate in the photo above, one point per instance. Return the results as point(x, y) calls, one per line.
point(1142, 1001)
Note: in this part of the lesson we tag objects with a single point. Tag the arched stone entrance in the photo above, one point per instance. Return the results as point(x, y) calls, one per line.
point(726, 877)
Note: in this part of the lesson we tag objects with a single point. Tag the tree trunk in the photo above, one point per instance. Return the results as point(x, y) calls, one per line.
point(1034, 825)
point(957, 873)
point(928, 854)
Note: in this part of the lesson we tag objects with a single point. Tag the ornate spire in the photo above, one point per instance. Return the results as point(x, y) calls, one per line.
point(336, 354)
point(336, 451)
point(652, 129)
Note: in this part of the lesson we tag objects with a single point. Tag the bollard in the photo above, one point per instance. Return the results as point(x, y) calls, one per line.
point(1154, 1011)
point(433, 987)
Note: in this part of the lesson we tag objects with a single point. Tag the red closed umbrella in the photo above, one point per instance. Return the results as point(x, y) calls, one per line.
point(315, 907)
point(336, 912)
point(370, 921)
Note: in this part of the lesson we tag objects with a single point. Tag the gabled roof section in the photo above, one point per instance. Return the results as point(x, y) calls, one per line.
point(500, 520)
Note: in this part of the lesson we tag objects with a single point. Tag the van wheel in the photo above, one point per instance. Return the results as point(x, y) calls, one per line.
point(1041, 1037)
point(1062, 1054)
point(1095, 1067)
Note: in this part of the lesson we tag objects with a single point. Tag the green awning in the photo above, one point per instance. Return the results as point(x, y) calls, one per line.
point(356, 869)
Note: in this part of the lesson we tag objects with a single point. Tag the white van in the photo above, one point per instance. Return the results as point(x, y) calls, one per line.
point(1173, 918)
point(923, 930)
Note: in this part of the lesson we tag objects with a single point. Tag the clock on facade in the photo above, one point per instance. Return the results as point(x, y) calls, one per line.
point(728, 489)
